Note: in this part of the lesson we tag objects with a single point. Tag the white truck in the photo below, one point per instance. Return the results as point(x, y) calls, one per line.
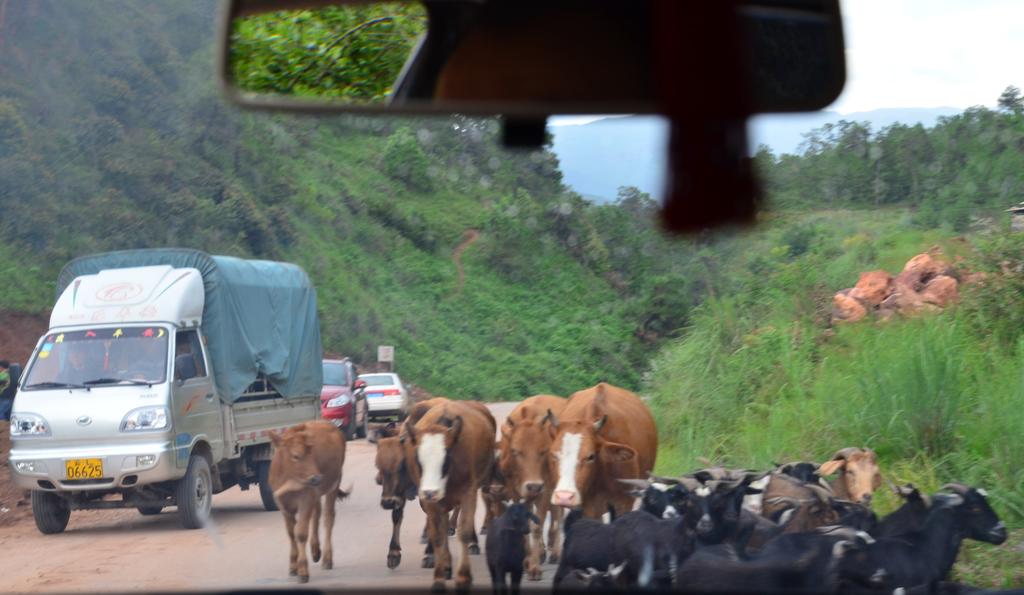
point(158, 382)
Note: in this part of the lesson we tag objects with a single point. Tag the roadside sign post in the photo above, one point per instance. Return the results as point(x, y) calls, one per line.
point(386, 353)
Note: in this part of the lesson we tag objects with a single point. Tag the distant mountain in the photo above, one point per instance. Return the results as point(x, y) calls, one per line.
point(598, 157)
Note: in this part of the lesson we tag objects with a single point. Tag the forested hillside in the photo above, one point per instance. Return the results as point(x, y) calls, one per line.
point(113, 135)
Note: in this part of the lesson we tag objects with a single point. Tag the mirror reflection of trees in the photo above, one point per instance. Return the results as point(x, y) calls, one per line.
point(350, 52)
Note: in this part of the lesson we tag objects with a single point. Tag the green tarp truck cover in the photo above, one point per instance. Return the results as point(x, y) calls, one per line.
point(260, 316)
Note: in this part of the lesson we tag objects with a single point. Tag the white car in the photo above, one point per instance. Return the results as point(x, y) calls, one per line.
point(386, 395)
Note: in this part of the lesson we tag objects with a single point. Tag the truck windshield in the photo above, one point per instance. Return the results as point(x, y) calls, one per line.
point(100, 357)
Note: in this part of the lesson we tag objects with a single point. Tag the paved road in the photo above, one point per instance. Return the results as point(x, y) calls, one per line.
point(245, 547)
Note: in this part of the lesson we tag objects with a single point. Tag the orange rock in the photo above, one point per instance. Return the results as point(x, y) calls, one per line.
point(940, 291)
point(919, 270)
point(903, 300)
point(847, 309)
point(873, 287)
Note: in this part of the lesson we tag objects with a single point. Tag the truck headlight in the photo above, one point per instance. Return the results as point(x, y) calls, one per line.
point(28, 424)
point(339, 401)
point(145, 419)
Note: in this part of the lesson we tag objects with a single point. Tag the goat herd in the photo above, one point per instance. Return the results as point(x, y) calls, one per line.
point(591, 455)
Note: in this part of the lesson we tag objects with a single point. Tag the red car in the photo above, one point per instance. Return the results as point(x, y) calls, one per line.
point(343, 399)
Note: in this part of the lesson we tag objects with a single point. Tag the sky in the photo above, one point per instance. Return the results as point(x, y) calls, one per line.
point(924, 53)
point(930, 53)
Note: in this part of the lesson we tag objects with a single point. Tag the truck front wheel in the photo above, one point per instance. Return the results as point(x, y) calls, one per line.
point(194, 493)
point(50, 511)
point(266, 492)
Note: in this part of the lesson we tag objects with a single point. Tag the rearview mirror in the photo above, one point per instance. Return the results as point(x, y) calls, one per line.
point(526, 58)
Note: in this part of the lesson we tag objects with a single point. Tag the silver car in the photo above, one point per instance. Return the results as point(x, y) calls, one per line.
point(386, 395)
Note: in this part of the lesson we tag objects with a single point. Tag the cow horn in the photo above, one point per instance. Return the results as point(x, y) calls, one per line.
point(956, 488)
point(600, 423)
point(550, 418)
point(455, 428)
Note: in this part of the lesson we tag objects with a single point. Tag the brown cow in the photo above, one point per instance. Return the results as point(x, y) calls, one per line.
point(396, 484)
point(307, 465)
point(605, 433)
point(523, 463)
point(449, 453)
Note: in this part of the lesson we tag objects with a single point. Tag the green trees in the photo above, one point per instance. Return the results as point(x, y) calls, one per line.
point(1011, 100)
point(966, 166)
point(405, 161)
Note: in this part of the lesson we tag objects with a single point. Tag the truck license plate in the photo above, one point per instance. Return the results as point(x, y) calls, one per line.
point(84, 468)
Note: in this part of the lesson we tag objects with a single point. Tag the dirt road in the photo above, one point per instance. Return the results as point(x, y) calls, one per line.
point(245, 547)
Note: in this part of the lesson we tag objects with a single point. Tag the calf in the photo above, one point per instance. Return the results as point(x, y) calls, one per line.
point(523, 464)
point(396, 488)
point(506, 546)
point(306, 466)
point(449, 453)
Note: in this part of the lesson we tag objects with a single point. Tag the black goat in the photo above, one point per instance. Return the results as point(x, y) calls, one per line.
point(651, 548)
point(662, 499)
point(805, 472)
point(818, 568)
point(588, 544)
point(927, 556)
point(506, 546)
point(592, 579)
point(909, 517)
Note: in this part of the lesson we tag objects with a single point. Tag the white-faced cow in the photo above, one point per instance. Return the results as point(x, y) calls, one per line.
point(307, 466)
point(449, 453)
point(397, 486)
point(604, 434)
point(523, 464)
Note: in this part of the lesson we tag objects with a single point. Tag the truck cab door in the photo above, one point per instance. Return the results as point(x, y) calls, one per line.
point(197, 409)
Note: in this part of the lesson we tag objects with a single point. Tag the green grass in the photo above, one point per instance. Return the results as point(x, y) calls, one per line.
point(759, 377)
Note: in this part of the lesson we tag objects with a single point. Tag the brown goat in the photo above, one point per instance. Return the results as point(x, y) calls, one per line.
point(859, 475)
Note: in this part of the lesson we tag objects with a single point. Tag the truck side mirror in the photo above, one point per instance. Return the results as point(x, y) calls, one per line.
point(184, 367)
